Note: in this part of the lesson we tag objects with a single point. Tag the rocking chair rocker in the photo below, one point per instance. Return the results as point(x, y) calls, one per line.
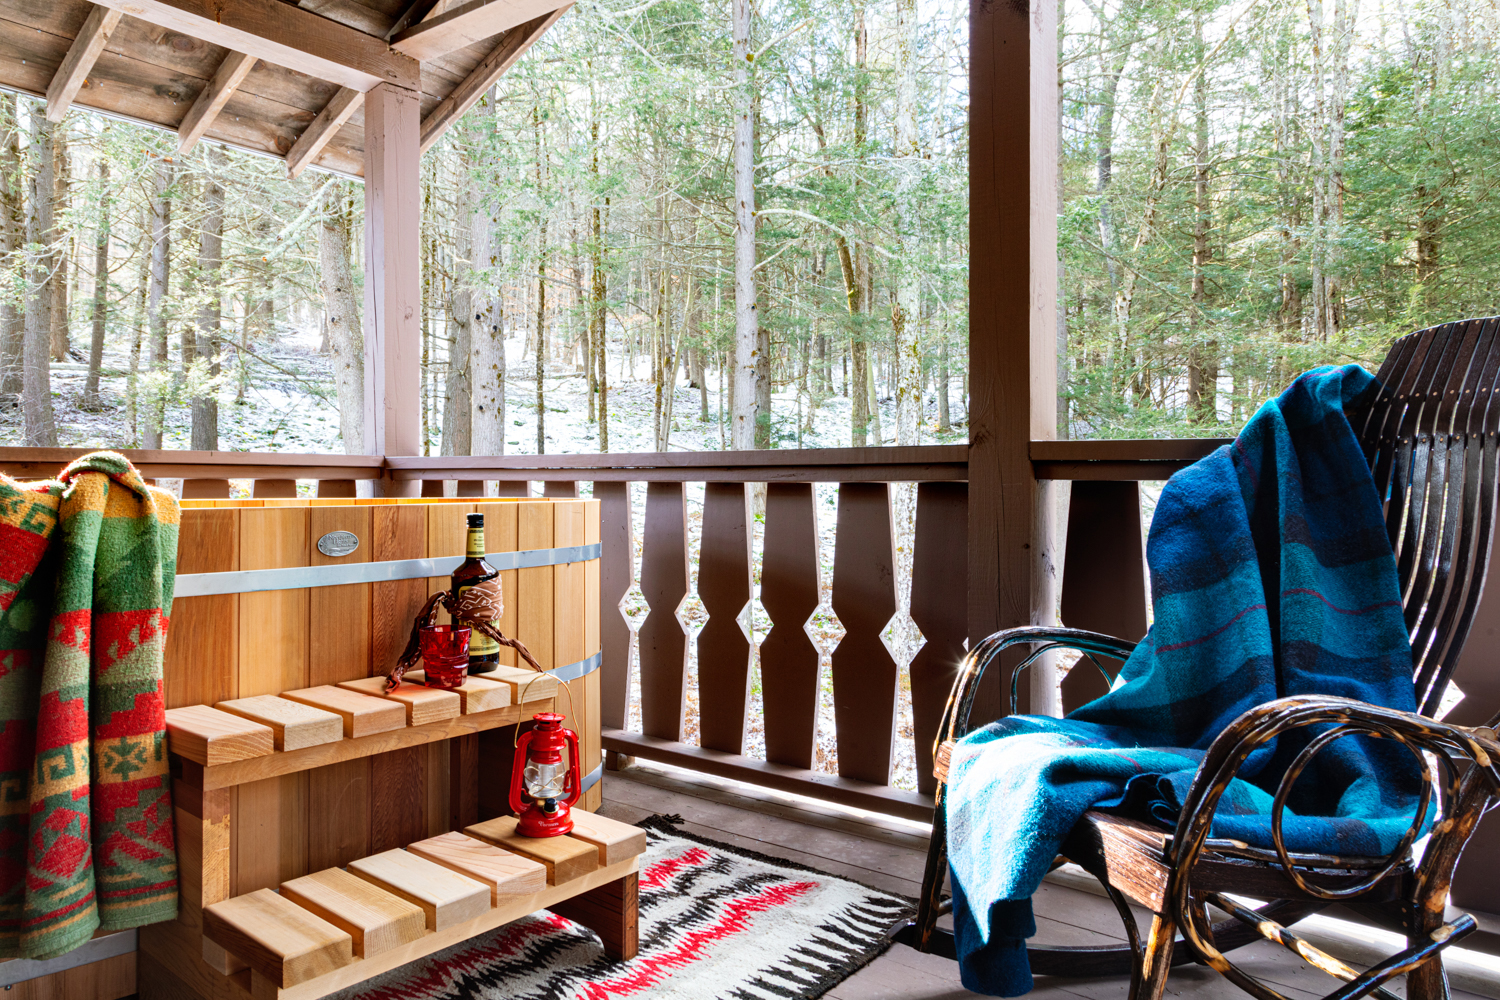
point(1430, 438)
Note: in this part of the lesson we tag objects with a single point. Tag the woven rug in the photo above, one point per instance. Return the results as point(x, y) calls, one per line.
point(715, 922)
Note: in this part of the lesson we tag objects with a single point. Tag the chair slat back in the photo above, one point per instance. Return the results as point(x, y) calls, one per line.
point(1430, 438)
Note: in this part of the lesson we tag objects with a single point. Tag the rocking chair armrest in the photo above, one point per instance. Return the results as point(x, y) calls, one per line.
point(955, 722)
point(1467, 793)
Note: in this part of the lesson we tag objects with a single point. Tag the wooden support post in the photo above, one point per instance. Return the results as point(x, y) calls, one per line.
point(1013, 320)
point(393, 277)
point(609, 911)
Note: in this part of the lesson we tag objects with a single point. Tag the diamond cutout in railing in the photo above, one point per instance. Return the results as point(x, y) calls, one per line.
point(825, 629)
point(634, 607)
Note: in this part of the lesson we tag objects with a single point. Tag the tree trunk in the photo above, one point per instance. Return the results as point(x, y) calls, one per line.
point(205, 406)
point(1202, 364)
point(161, 255)
point(458, 420)
point(59, 325)
point(487, 364)
point(100, 317)
point(600, 330)
point(745, 418)
point(12, 239)
point(905, 310)
point(541, 298)
point(36, 390)
point(945, 417)
point(851, 261)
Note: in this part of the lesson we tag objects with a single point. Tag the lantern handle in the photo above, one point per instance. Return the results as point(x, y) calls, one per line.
point(573, 767)
point(521, 700)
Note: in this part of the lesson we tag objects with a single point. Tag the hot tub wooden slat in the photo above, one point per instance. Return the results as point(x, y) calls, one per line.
point(294, 725)
point(277, 938)
point(421, 704)
point(362, 714)
point(565, 858)
point(376, 920)
point(506, 874)
point(210, 737)
point(446, 897)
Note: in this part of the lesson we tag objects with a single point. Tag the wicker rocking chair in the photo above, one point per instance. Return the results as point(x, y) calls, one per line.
point(1430, 438)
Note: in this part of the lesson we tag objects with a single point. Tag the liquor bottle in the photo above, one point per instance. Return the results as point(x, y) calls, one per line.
point(484, 652)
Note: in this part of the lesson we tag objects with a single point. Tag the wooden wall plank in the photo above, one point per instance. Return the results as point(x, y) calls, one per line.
point(569, 605)
point(592, 684)
point(447, 535)
point(339, 632)
point(938, 580)
point(534, 587)
point(664, 582)
point(342, 834)
point(724, 588)
point(789, 593)
point(201, 666)
point(1104, 576)
point(864, 598)
point(398, 798)
point(616, 575)
point(500, 536)
point(398, 531)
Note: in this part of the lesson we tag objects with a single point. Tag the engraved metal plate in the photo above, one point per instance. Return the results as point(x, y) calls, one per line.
point(338, 543)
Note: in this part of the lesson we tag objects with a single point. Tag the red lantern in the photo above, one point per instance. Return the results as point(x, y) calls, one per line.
point(552, 786)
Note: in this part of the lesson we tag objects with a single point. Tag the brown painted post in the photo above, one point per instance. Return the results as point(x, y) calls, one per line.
point(937, 606)
point(864, 598)
point(1476, 881)
point(393, 276)
point(512, 488)
point(274, 489)
point(1012, 315)
point(616, 574)
point(432, 487)
point(341, 489)
point(471, 487)
point(1104, 575)
point(664, 582)
point(789, 593)
point(563, 490)
point(205, 489)
point(724, 588)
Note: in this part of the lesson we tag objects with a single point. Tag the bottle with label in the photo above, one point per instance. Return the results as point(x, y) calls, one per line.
point(484, 652)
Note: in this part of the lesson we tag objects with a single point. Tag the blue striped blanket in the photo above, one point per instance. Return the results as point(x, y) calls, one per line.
point(1271, 575)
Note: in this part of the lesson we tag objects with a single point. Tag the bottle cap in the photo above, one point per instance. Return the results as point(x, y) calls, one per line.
point(476, 520)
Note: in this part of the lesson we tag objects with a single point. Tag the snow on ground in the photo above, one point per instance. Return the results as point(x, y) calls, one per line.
point(290, 408)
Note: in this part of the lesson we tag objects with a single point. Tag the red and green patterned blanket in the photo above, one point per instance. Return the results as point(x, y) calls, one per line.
point(86, 569)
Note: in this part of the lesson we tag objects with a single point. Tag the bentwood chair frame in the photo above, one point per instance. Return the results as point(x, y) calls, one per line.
point(1430, 437)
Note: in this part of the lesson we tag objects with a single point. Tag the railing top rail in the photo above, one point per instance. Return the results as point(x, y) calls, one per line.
point(1119, 459)
point(162, 464)
point(430, 467)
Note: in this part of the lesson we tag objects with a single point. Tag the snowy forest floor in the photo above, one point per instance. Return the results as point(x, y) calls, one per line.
point(283, 402)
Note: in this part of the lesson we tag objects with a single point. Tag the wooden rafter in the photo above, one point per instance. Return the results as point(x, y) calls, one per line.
point(415, 13)
point(286, 36)
point(513, 44)
point(312, 140)
point(467, 23)
point(235, 67)
point(69, 78)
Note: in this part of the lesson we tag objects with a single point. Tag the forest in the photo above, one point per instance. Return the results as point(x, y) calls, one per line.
point(707, 224)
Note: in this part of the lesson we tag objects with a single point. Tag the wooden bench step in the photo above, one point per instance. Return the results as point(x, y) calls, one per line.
point(376, 920)
point(446, 897)
point(422, 704)
point(616, 841)
point(536, 686)
point(476, 694)
point(277, 938)
point(293, 725)
point(362, 714)
point(565, 858)
point(207, 736)
point(506, 874)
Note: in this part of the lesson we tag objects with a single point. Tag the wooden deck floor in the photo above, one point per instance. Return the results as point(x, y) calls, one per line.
point(889, 855)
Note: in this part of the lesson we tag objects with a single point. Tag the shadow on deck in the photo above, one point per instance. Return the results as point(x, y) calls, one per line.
point(889, 854)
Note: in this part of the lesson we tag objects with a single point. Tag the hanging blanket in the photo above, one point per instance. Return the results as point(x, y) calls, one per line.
point(86, 570)
point(1271, 575)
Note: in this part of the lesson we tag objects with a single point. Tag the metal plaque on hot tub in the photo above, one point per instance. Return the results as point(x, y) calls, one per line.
point(338, 543)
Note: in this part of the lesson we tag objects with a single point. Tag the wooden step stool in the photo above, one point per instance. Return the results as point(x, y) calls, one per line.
point(332, 929)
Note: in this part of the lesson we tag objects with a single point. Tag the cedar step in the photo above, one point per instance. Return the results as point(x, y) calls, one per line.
point(536, 686)
point(616, 841)
point(277, 938)
point(208, 736)
point(294, 726)
point(565, 858)
point(362, 714)
point(377, 920)
point(506, 874)
point(477, 694)
point(446, 897)
point(422, 704)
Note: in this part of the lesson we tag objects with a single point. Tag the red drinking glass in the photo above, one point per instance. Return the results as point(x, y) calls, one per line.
point(445, 655)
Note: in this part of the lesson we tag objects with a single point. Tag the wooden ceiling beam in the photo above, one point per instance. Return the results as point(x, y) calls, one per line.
point(75, 67)
point(286, 36)
point(231, 72)
point(415, 12)
point(466, 23)
point(323, 128)
point(512, 46)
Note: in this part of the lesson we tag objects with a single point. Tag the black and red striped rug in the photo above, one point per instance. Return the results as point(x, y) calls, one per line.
point(715, 922)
